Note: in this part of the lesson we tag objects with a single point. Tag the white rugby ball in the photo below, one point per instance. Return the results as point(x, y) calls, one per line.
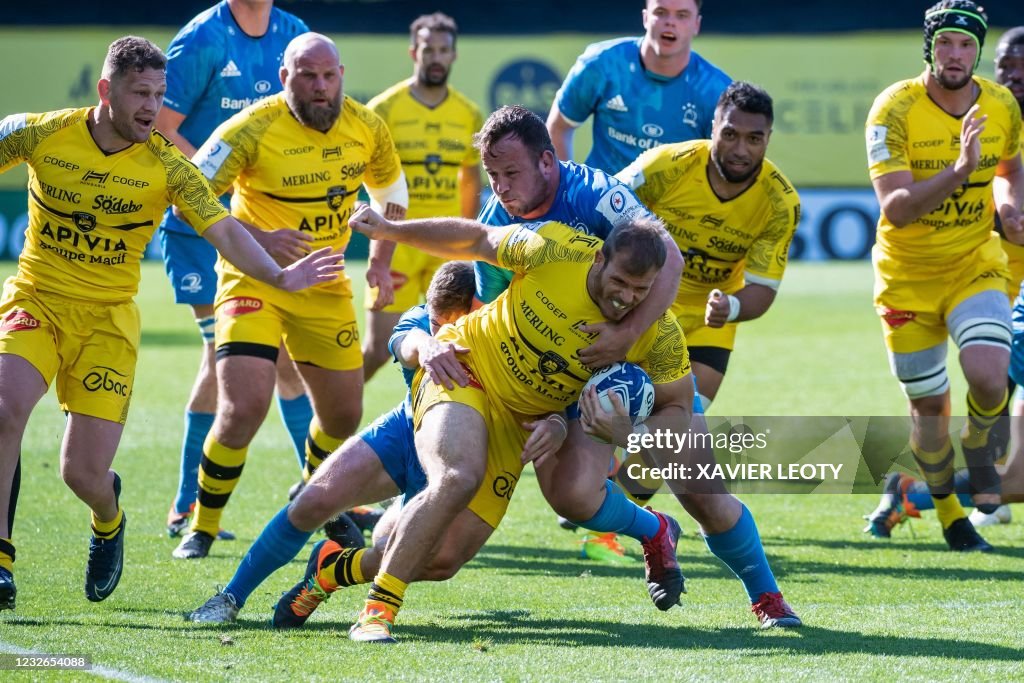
point(630, 383)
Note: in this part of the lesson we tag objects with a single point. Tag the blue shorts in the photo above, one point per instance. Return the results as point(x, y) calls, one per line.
point(1017, 343)
point(392, 438)
point(189, 261)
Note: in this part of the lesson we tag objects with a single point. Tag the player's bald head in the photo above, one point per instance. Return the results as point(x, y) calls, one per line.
point(313, 45)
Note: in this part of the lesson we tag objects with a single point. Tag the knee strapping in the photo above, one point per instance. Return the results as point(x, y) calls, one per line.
point(922, 373)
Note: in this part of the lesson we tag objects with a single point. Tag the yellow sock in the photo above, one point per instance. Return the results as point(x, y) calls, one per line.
point(219, 472)
point(7, 554)
point(980, 421)
point(388, 590)
point(319, 445)
point(107, 530)
point(343, 570)
point(936, 467)
point(948, 510)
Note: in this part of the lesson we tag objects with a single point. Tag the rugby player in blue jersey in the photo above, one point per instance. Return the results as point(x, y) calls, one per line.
point(223, 60)
point(531, 185)
point(642, 92)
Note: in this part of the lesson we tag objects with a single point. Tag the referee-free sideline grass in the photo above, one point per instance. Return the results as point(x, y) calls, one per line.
point(528, 607)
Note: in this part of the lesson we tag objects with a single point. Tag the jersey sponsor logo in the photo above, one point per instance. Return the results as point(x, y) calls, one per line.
point(778, 177)
point(59, 193)
point(211, 156)
point(353, 170)
point(550, 363)
point(398, 280)
point(631, 139)
point(432, 127)
point(102, 378)
point(895, 319)
point(60, 163)
point(262, 87)
point(330, 153)
point(711, 221)
point(451, 145)
point(926, 143)
point(534, 320)
point(652, 130)
point(19, 320)
point(241, 305)
point(231, 70)
point(704, 268)
point(616, 104)
point(690, 117)
point(724, 245)
point(12, 124)
point(877, 150)
point(86, 222)
point(239, 103)
point(110, 204)
point(683, 234)
point(130, 182)
point(504, 485)
point(295, 151)
point(348, 335)
point(301, 179)
point(95, 178)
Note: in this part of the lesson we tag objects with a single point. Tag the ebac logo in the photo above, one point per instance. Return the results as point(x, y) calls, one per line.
point(527, 82)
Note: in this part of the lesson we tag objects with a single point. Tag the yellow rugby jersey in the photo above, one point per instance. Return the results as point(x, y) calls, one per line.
point(91, 214)
point(724, 242)
point(907, 131)
point(287, 175)
point(433, 143)
point(524, 345)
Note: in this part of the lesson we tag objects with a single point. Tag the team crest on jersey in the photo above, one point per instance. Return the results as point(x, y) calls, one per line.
point(432, 163)
point(17, 320)
point(690, 114)
point(551, 363)
point(85, 222)
point(240, 305)
point(335, 197)
point(896, 319)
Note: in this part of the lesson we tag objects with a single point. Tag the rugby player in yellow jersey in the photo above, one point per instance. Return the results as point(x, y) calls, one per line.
point(523, 361)
point(295, 160)
point(943, 156)
point(733, 214)
point(99, 179)
point(432, 125)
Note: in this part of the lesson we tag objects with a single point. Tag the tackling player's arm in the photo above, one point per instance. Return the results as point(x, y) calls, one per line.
point(1008, 191)
point(167, 122)
point(385, 182)
point(438, 359)
point(561, 132)
point(904, 201)
point(449, 238)
point(673, 408)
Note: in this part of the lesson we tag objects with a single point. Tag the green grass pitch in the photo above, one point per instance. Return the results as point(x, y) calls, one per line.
point(527, 607)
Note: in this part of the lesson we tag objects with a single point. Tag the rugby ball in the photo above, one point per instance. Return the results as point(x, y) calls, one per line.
point(630, 383)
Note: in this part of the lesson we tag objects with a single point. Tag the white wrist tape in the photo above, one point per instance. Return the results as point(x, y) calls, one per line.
point(734, 308)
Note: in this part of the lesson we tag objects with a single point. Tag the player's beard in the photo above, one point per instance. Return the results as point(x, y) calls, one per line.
point(314, 116)
point(433, 81)
point(951, 83)
point(735, 178)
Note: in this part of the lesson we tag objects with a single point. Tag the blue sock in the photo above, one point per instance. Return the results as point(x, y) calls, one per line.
point(197, 426)
point(621, 515)
point(276, 546)
point(297, 413)
point(741, 550)
point(921, 498)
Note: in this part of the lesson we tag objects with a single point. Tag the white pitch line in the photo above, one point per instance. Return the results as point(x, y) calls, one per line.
point(96, 670)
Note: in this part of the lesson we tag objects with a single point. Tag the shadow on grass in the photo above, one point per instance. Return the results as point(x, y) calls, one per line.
point(517, 627)
point(517, 560)
point(169, 338)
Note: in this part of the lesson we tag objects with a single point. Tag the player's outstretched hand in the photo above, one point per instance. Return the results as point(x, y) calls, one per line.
point(286, 246)
point(546, 437)
point(440, 360)
point(368, 222)
point(379, 277)
point(716, 313)
point(1012, 221)
point(323, 265)
point(611, 345)
point(970, 140)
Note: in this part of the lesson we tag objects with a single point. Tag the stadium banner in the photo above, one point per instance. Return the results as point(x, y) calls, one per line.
point(823, 87)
